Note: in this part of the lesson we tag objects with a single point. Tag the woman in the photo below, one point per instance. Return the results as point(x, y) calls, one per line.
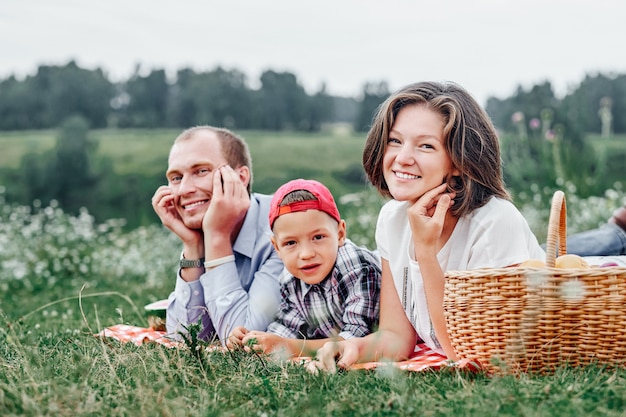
point(435, 152)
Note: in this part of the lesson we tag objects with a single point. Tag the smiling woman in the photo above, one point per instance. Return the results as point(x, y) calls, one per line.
point(435, 152)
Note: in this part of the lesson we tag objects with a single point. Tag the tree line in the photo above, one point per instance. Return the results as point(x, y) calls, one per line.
point(218, 97)
point(224, 97)
point(542, 135)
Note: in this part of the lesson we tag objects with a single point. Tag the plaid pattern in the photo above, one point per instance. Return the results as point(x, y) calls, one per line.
point(346, 303)
point(137, 335)
point(423, 358)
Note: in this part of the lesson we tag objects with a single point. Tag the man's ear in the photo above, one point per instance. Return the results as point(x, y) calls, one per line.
point(244, 174)
point(341, 232)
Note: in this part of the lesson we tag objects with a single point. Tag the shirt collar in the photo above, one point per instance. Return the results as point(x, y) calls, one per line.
point(324, 285)
point(244, 244)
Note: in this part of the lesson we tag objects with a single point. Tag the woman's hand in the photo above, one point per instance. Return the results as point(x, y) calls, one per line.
point(427, 216)
point(342, 354)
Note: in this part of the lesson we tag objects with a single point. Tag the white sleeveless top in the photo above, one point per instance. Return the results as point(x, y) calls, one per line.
point(495, 235)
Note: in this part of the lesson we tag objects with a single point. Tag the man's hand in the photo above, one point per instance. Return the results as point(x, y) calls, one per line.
point(163, 205)
point(228, 207)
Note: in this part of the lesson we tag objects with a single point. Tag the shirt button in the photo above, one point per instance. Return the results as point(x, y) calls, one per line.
point(196, 292)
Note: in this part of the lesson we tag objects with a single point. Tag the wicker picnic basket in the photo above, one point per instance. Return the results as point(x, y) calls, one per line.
point(523, 319)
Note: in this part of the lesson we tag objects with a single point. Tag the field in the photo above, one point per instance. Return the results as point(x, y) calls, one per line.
point(63, 278)
point(277, 156)
point(60, 287)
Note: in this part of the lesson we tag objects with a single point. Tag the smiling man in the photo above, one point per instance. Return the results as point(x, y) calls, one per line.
point(229, 271)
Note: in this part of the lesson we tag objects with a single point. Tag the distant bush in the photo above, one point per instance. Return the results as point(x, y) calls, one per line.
point(44, 247)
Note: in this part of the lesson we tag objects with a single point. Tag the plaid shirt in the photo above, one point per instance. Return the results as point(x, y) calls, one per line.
point(346, 303)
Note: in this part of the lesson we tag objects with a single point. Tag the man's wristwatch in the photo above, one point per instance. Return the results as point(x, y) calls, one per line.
point(192, 263)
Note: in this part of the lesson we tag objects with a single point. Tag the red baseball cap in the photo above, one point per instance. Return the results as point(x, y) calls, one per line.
point(325, 201)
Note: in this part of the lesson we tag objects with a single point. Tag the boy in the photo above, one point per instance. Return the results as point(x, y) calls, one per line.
point(330, 287)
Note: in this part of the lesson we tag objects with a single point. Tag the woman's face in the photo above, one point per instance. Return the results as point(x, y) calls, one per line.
point(416, 160)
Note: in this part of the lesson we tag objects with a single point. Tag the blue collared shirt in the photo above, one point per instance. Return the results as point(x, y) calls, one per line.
point(241, 293)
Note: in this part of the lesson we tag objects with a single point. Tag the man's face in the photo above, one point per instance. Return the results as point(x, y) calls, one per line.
point(190, 171)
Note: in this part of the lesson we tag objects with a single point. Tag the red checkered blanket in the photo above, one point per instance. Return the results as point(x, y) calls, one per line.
point(423, 357)
point(137, 335)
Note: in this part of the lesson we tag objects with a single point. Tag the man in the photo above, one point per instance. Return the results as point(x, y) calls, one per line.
point(606, 240)
point(229, 272)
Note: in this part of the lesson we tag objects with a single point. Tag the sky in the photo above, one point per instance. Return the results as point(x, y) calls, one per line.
point(490, 47)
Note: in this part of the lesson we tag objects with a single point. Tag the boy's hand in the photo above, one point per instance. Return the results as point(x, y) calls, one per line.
point(262, 342)
point(235, 338)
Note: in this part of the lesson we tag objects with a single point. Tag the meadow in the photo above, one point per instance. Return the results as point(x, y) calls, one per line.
point(65, 277)
point(277, 156)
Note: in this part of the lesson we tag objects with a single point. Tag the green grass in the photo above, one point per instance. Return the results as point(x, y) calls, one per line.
point(64, 278)
point(61, 286)
point(16, 144)
point(99, 378)
point(277, 156)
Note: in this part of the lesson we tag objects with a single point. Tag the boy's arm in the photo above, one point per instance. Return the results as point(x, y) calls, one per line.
point(284, 333)
point(284, 346)
point(362, 301)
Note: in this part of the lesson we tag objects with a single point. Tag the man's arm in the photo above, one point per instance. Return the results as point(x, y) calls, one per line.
point(186, 306)
point(228, 303)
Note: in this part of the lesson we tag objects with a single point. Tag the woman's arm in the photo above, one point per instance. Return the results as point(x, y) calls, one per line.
point(428, 217)
point(434, 283)
point(395, 338)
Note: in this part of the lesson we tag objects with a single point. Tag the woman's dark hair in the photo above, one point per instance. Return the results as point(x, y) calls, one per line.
point(469, 138)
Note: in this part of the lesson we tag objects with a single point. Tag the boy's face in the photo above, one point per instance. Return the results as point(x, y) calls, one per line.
point(307, 242)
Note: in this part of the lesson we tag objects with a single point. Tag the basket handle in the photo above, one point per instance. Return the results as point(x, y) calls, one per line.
point(557, 229)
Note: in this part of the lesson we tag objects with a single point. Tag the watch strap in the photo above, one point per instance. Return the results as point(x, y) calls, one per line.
point(192, 263)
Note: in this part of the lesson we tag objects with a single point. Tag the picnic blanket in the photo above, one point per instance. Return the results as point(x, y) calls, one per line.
point(137, 335)
point(423, 358)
